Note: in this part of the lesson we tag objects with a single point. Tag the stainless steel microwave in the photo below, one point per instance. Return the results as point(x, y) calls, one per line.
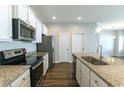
point(22, 30)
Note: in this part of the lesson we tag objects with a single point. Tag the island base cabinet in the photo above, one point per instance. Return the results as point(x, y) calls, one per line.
point(95, 80)
point(78, 76)
point(78, 71)
point(84, 79)
point(92, 84)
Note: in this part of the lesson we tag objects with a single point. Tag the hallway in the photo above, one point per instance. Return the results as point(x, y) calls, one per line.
point(60, 76)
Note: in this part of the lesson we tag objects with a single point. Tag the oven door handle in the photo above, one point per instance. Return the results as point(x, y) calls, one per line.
point(36, 65)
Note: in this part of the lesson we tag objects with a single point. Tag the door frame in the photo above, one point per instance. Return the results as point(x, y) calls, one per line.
point(83, 33)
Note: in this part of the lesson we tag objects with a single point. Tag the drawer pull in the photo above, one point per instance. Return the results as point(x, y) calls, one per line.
point(96, 81)
point(23, 79)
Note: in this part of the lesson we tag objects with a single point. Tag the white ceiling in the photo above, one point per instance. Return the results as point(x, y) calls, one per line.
point(89, 13)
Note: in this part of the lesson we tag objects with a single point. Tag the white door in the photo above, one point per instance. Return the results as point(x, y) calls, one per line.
point(63, 47)
point(77, 42)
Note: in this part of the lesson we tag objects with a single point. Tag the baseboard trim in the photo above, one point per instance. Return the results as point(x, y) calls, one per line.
point(60, 62)
point(70, 61)
point(57, 62)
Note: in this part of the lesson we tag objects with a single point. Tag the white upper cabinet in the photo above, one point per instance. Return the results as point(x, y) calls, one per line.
point(5, 23)
point(31, 17)
point(22, 12)
point(25, 13)
point(39, 31)
point(45, 29)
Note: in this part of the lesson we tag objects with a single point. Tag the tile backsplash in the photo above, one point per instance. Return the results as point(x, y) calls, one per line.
point(18, 44)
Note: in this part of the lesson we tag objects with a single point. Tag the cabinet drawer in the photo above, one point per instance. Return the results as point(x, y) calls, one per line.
point(85, 69)
point(99, 82)
point(26, 83)
point(21, 80)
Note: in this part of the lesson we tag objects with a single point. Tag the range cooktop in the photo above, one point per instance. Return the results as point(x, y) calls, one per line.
point(32, 60)
point(18, 57)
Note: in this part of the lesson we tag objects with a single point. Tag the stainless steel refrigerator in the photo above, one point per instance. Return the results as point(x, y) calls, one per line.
point(47, 45)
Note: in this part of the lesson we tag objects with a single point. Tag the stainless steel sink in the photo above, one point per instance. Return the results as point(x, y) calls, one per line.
point(93, 60)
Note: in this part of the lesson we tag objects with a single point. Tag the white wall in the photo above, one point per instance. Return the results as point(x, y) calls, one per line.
point(119, 43)
point(107, 40)
point(18, 44)
point(91, 38)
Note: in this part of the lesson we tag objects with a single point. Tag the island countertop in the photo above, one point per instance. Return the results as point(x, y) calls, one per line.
point(10, 73)
point(113, 74)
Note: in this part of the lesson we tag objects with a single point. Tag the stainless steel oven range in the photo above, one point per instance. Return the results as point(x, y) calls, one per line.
point(18, 57)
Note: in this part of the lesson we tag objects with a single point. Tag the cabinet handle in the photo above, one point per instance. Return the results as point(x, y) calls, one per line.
point(23, 79)
point(96, 81)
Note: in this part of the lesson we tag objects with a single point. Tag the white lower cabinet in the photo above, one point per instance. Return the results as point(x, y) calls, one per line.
point(22, 81)
point(45, 64)
point(93, 84)
point(86, 78)
point(78, 71)
point(96, 81)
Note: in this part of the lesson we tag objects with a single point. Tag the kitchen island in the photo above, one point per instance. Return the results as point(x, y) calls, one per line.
point(111, 74)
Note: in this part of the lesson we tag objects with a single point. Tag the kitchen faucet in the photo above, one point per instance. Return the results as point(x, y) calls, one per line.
point(99, 49)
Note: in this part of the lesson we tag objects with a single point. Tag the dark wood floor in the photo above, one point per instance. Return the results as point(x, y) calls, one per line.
point(60, 76)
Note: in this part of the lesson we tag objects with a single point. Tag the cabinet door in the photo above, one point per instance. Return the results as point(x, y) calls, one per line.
point(22, 81)
point(38, 31)
point(92, 84)
point(5, 23)
point(31, 17)
point(44, 67)
point(45, 30)
point(22, 12)
point(84, 79)
point(98, 81)
point(78, 72)
point(45, 64)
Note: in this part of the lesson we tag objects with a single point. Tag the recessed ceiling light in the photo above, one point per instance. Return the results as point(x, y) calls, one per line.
point(79, 18)
point(53, 17)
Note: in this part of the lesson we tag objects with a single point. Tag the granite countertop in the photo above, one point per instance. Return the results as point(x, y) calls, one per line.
point(10, 73)
point(113, 74)
point(40, 54)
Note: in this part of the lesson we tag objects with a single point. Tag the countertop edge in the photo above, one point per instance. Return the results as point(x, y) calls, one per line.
point(9, 83)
